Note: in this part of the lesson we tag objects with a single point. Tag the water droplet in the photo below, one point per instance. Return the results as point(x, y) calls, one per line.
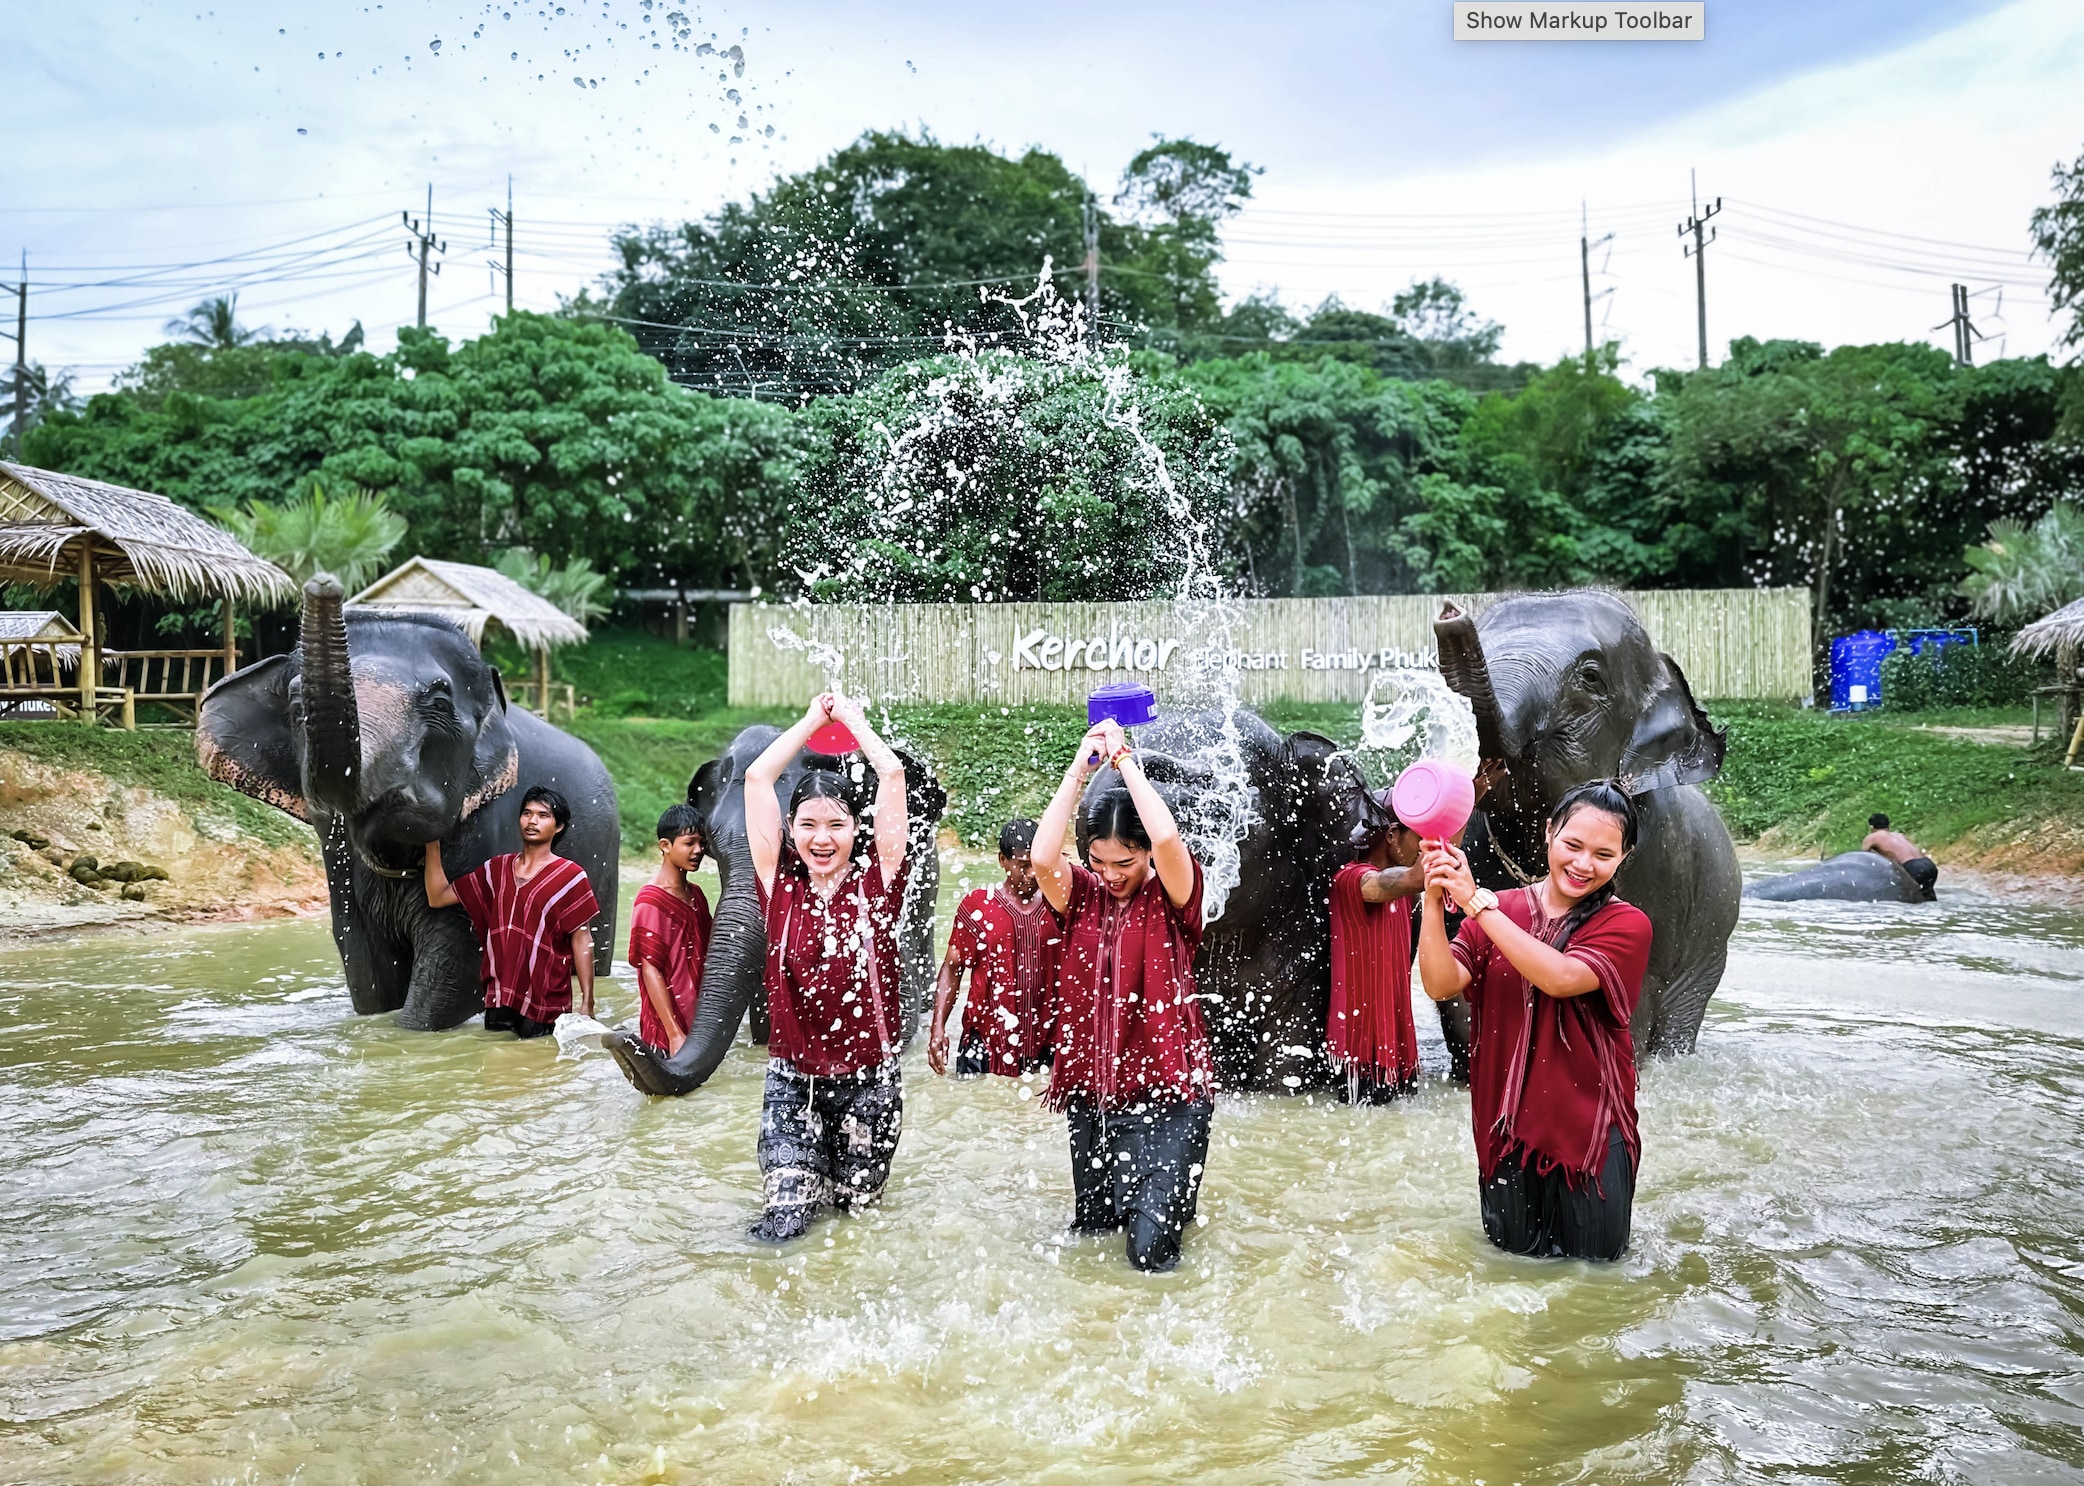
point(434, 45)
point(303, 131)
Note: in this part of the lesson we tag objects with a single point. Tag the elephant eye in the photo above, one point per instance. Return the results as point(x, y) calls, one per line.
point(1591, 678)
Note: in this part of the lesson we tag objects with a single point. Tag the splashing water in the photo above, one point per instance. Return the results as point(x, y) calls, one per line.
point(1450, 722)
point(816, 653)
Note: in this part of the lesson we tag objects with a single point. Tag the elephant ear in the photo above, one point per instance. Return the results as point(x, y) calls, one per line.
point(243, 736)
point(496, 761)
point(706, 788)
point(925, 798)
point(1674, 743)
point(1333, 804)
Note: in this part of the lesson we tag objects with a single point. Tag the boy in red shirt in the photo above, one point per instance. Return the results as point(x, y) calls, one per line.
point(1009, 941)
point(669, 934)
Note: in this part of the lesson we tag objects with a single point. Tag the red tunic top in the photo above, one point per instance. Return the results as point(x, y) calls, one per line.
point(674, 937)
point(1011, 950)
point(525, 932)
point(1371, 1031)
point(834, 986)
point(1550, 1075)
point(1128, 1018)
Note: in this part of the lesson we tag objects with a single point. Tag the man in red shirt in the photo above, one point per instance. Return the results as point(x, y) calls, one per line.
point(669, 934)
point(1009, 941)
point(530, 909)
point(1371, 1034)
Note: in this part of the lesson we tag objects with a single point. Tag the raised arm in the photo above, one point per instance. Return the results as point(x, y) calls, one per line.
point(1392, 883)
point(1052, 832)
point(1441, 972)
point(1169, 854)
point(891, 818)
point(441, 893)
point(1548, 970)
point(763, 817)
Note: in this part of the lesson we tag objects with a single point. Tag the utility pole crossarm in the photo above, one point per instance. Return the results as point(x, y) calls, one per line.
point(1697, 227)
point(423, 245)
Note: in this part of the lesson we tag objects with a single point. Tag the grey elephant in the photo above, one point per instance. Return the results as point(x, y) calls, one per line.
point(732, 972)
point(384, 732)
point(1849, 877)
point(1568, 687)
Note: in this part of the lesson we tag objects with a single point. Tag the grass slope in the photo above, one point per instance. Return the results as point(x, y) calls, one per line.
point(163, 762)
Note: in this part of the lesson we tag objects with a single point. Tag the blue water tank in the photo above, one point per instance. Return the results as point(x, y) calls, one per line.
point(1856, 669)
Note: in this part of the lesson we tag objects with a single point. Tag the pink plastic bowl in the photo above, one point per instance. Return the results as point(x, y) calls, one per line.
point(1433, 798)
point(833, 738)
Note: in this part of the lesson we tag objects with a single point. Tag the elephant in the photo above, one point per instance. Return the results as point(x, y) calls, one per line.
point(1849, 877)
point(385, 731)
point(1264, 967)
point(733, 970)
point(1568, 687)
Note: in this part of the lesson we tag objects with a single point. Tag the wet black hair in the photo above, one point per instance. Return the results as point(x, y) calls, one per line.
point(1015, 837)
point(1878, 821)
point(555, 803)
point(1111, 816)
point(681, 820)
point(1607, 797)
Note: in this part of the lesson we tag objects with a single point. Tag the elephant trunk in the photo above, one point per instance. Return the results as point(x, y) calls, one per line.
point(332, 722)
point(1463, 666)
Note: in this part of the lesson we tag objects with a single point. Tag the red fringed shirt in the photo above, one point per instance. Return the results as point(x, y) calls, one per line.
point(1371, 1031)
point(1550, 1075)
point(525, 932)
point(1128, 1024)
point(674, 937)
point(834, 987)
point(1011, 951)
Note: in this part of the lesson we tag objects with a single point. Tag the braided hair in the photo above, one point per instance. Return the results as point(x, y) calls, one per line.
point(1607, 797)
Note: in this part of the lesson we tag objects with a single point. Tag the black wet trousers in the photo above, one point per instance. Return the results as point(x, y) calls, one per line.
point(1542, 1216)
point(1139, 1171)
point(1925, 873)
point(973, 1060)
point(506, 1019)
point(825, 1140)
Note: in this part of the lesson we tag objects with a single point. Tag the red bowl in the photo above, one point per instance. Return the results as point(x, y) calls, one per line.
point(833, 738)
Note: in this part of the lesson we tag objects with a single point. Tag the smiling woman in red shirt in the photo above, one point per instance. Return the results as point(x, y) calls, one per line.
point(1132, 1070)
point(1552, 973)
point(833, 1105)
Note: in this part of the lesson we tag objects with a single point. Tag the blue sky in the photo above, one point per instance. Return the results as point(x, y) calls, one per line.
point(143, 137)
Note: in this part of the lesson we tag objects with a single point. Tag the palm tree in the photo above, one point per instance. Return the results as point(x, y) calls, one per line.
point(346, 535)
point(572, 589)
point(2023, 572)
point(214, 323)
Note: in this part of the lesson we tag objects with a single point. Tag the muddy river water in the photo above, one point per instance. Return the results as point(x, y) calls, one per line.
point(250, 1236)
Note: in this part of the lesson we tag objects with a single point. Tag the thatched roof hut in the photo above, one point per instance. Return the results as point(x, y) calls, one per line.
point(477, 599)
point(2063, 628)
point(50, 522)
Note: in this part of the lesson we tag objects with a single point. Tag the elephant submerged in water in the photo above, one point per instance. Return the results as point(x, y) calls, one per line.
point(1568, 687)
point(731, 974)
point(1849, 877)
point(384, 732)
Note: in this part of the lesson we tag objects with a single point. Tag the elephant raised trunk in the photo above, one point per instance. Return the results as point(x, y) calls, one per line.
point(1463, 667)
point(332, 722)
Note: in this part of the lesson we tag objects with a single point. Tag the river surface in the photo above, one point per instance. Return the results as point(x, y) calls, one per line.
point(249, 1236)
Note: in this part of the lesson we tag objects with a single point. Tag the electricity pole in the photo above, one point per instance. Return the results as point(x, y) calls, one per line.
point(1585, 245)
point(422, 244)
point(21, 356)
point(1698, 252)
point(505, 218)
point(1092, 269)
point(1965, 333)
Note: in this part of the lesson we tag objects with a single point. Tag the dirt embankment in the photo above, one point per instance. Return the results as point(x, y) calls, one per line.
point(216, 867)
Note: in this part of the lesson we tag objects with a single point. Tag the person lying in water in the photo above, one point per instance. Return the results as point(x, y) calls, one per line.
point(530, 909)
point(1132, 1071)
point(833, 1106)
point(1552, 972)
point(1009, 941)
point(1904, 852)
point(670, 926)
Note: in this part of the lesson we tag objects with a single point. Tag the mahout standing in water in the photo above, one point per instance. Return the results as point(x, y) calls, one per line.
point(1009, 940)
point(1132, 1070)
point(669, 934)
point(530, 909)
point(1552, 973)
point(1370, 1034)
point(833, 1106)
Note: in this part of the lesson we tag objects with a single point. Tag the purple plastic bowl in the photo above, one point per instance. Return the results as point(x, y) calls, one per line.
point(1123, 702)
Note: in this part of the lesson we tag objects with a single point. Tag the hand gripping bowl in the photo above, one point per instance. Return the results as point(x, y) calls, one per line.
point(1123, 702)
point(1433, 798)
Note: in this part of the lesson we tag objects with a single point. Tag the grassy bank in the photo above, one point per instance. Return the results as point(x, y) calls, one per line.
point(162, 762)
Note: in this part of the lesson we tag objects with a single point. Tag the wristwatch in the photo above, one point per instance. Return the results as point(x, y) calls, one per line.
point(1480, 901)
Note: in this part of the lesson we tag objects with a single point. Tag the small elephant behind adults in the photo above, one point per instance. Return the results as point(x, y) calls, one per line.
point(386, 731)
point(733, 971)
point(1568, 687)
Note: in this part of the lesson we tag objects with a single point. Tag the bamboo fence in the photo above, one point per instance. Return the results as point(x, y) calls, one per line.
point(1732, 643)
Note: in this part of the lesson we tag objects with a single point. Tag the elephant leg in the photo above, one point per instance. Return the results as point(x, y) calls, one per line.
point(1676, 1009)
point(1454, 1031)
point(445, 991)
